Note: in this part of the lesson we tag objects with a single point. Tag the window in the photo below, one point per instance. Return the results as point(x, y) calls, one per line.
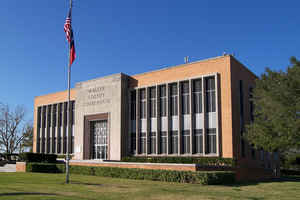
point(54, 145)
point(72, 144)
point(241, 108)
point(44, 117)
point(143, 103)
point(133, 105)
point(198, 141)
point(197, 95)
point(60, 114)
point(39, 117)
point(65, 113)
point(72, 112)
point(251, 104)
point(133, 143)
point(163, 100)
point(38, 146)
point(163, 142)
point(211, 141)
point(152, 143)
point(152, 102)
point(54, 123)
point(65, 144)
point(210, 94)
point(173, 99)
point(48, 145)
point(49, 116)
point(174, 142)
point(185, 92)
point(59, 144)
point(186, 141)
point(43, 145)
point(142, 142)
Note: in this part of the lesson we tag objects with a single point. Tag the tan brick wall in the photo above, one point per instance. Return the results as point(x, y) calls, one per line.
point(21, 167)
point(138, 166)
point(239, 72)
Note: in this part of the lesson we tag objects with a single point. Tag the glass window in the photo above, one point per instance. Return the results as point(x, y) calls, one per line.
point(38, 146)
point(60, 114)
point(152, 102)
point(133, 105)
point(163, 142)
point(152, 143)
point(142, 142)
point(241, 107)
point(198, 141)
point(251, 104)
point(49, 115)
point(185, 92)
point(54, 123)
point(211, 141)
point(163, 100)
point(44, 117)
point(133, 143)
point(39, 118)
point(173, 99)
point(197, 95)
point(210, 94)
point(143, 103)
point(174, 142)
point(186, 141)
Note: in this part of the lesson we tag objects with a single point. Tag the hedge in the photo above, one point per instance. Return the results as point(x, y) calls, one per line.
point(37, 157)
point(201, 177)
point(203, 161)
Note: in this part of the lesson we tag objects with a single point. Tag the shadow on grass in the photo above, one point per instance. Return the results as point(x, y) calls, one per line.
point(26, 193)
point(275, 180)
point(90, 184)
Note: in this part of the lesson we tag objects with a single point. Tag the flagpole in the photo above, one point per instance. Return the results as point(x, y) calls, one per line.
point(69, 111)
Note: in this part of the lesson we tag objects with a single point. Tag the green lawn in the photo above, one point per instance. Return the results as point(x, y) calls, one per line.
point(52, 186)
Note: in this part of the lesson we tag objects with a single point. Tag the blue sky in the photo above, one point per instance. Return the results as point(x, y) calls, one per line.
point(135, 36)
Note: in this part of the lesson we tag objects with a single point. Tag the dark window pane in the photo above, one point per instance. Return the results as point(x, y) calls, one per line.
point(197, 85)
point(198, 141)
point(185, 141)
point(133, 105)
point(174, 142)
point(211, 144)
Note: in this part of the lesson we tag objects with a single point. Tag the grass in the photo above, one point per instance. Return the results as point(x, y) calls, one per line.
point(51, 186)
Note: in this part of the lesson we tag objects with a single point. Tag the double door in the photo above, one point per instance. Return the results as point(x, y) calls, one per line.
point(99, 134)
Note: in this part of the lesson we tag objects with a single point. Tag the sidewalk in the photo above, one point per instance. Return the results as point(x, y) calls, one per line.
point(8, 168)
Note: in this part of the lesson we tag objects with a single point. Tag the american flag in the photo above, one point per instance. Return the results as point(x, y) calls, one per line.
point(70, 37)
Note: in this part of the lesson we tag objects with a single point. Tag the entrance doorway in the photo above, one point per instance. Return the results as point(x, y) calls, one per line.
point(99, 137)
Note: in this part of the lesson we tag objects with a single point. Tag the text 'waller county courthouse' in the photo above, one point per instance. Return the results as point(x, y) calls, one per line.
point(193, 109)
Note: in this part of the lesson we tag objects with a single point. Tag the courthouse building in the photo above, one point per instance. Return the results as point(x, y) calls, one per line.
point(194, 109)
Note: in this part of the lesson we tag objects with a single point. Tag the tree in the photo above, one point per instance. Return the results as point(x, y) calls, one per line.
point(27, 142)
point(13, 128)
point(276, 98)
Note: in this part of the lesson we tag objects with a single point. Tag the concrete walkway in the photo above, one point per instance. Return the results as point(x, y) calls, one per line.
point(8, 168)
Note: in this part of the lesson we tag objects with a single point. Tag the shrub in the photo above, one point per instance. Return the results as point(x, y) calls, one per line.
point(37, 157)
point(203, 161)
point(292, 162)
point(201, 177)
point(45, 167)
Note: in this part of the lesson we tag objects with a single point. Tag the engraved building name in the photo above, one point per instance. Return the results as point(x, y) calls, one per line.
point(96, 96)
